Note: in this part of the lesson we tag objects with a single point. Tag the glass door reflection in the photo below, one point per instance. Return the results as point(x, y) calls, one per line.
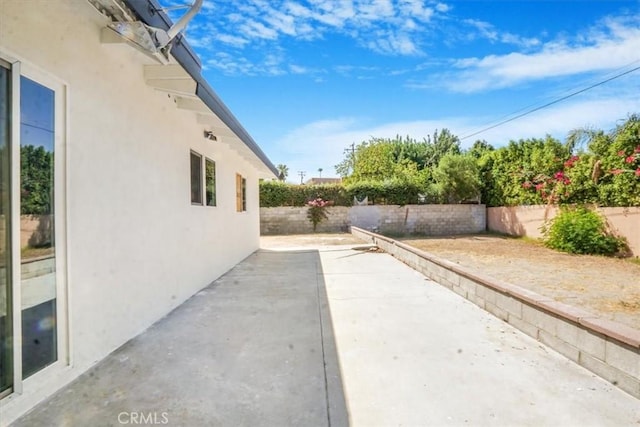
point(37, 228)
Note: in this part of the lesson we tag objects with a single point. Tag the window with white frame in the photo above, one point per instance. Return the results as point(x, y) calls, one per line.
point(210, 182)
point(196, 178)
point(203, 180)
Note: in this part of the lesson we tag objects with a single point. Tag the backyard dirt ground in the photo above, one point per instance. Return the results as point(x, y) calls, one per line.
point(607, 287)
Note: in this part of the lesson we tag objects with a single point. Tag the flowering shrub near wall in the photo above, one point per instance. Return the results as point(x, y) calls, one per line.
point(591, 167)
point(317, 212)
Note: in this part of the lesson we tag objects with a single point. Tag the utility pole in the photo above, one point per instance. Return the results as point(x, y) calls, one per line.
point(353, 154)
point(302, 174)
point(351, 148)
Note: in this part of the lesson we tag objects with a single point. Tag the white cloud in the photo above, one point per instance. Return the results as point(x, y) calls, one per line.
point(282, 22)
point(297, 10)
point(611, 46)
point(416, 9)
point(488, 31)
point(442, 8)
point(557, 121)
point(296, 69)
point(254, 29)
point(233, 64)
point(394, 27)
point(208, 5)
point(232, 40)
point(393, 43)
point(375, 10)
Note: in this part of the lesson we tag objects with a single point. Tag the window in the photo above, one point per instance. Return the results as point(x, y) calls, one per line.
point(196, 179)
point(241, 193)
point(244, 194)
point(210, 181)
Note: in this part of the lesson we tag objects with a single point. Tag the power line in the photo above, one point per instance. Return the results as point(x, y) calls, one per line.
point(568, 91)
point(548, 104)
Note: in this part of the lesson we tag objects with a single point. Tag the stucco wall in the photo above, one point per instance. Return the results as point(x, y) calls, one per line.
point(423, 219)
point(136, 247)
point(527, 220)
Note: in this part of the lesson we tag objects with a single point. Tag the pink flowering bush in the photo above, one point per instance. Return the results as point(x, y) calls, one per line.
point(631, 162)
point(317, 211)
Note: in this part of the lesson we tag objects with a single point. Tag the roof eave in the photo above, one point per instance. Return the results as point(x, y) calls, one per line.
point(151, 13)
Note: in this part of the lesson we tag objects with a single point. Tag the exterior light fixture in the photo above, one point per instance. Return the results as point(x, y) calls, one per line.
point(210, 136)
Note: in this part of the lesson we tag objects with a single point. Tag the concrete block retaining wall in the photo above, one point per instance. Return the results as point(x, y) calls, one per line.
point(608, 349)
point(293, 220)
point(390, 219)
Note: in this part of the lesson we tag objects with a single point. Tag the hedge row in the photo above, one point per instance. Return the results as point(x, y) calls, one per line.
point(275, 193)
point(392, 192)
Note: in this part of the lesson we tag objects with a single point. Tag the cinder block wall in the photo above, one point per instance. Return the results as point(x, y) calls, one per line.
point(391, 219)
point(293, 220)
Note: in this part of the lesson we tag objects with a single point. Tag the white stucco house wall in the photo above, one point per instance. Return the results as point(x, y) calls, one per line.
point(154, 190)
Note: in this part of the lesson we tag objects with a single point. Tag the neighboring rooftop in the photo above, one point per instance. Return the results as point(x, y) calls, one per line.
point(319, 181)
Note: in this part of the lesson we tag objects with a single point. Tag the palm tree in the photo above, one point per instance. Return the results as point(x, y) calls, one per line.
point(320, 172)
point(283, 172)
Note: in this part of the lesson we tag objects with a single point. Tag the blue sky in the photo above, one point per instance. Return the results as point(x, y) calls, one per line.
point(308, 78)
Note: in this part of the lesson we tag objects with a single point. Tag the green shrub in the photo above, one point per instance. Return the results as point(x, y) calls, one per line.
point(276, 193)
point(390, 192)
point(581, 231)
point(386, 192)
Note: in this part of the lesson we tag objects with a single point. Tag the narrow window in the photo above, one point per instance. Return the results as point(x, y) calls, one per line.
point(244, 194)
point(210, 181)
point(196, 179)
point(240, 193)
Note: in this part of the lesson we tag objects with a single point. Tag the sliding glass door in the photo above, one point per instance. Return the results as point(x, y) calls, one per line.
point(32, 324)
point(6, 326)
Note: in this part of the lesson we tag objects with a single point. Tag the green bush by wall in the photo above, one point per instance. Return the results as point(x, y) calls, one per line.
point(581, 231)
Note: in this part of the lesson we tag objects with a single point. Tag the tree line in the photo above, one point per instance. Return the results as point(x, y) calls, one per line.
point(591, 166)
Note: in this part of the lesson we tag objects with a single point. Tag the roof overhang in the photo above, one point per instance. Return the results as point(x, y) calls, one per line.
point(184, 81)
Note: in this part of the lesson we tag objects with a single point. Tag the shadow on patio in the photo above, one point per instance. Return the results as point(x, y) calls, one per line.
point(256, 347)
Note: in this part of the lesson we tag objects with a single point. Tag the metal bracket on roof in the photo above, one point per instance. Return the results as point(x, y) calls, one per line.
point(152, 41)
point(115, 10)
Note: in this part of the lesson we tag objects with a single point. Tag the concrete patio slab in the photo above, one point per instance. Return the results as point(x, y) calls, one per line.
point(414, 353)
point(330, 336)
point(253, 349)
